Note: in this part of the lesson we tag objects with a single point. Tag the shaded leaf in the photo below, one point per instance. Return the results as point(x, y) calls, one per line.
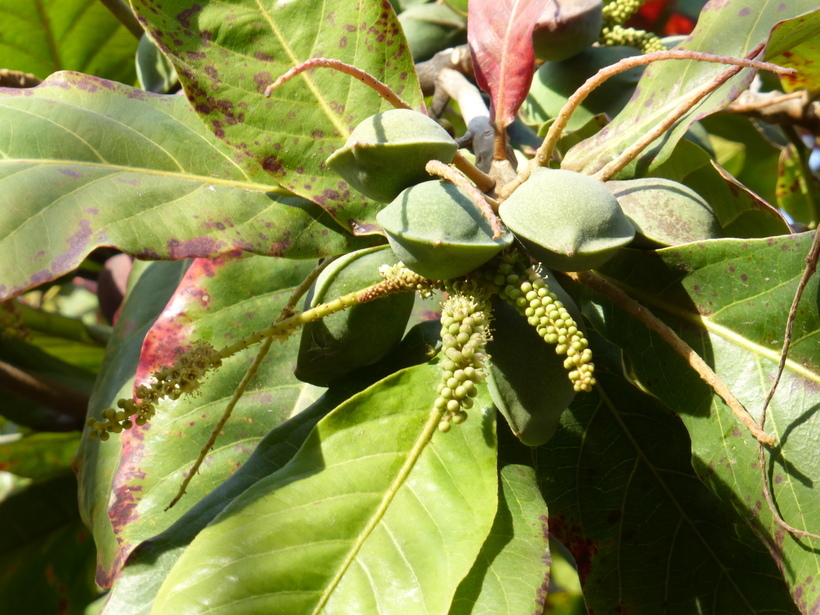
point(40, 455)
point(729, 300)
point(351, 523)
point(511, 574)
point(116, 166)
point(500, 39)
point(731, 28)
point(290, 135)
point(798, 191)
point(46, 554)
point(218, 301)
point(646, 534)
point(46, 37)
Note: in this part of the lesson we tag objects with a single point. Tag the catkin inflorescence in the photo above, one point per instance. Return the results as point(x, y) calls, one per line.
point(465, 331)
point(618, 11)
point(520, 285)
point(183, 377)
point(616, 35)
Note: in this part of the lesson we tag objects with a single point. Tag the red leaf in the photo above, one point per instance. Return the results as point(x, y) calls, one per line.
point(499, 33)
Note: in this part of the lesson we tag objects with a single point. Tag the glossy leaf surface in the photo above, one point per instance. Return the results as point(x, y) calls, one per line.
point(351, 523)
point(290, 135)
point(801, 51)
point(500, 37)
point(731, 28)
point(43, 37)
point(729, 300)
point(646, 534)
point(116, 166)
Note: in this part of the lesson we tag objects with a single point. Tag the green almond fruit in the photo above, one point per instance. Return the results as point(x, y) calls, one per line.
point(387, 153)
point(566, 28)
point(527, 380)
point(429, 28)
point(360, 335)
point(664, 212)
point(566, 220)
point(437, 231)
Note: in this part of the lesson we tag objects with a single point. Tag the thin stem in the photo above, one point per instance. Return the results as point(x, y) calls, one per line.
point(653, 323)
point(613, 167)
point(544, 152)
point(481, 179)
point(369, 80)
point(237, 395)
point(762, 104)
point(436, 167)
point(123, 12)
point(761, 455)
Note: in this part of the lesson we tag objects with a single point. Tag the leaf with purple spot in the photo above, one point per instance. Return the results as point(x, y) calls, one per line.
point(227, 54)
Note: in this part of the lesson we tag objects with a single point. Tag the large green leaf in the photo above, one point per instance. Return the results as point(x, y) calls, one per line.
point(803, 55)
point(226, 54)
point(511, 574)
point(46, 555)
point(46, 36)
point(218, 301)
point(369, 516)
point(39, 455)
point(147, 566)
point(115, 166)
point(729, 299)
point(725, 27)
point(646, 534)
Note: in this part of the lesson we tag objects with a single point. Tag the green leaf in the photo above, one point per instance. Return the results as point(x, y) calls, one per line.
point(729, 300)
point(116, 166)
point(794, 44)
point(150, 287)
point(227, 54)
point(725, 27)
point(45, 37)
point(646, 534)
point(46, 554)
point(511, 574)
point(798, 191)
point(370, 515)
point(217, 301)
point(39, 455)
point(147, 566)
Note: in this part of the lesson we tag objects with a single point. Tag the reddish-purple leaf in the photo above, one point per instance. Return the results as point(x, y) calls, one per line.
point(500, 37)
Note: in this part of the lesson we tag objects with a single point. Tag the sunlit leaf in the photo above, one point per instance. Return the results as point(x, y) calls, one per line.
point(351, 523)
point(227, 54)
point(45, 37)
point(218, 301)
point(794, 43)
point(115, 166)
point(511, 574)
point(730, 28)
point(798, 191)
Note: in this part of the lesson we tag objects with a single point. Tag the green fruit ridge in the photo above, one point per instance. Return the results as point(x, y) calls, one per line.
point(465, 331)
point(520, 285)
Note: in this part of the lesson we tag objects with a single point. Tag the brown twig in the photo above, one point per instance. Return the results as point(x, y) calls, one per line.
point(436, 167)
point(123, 12)
point(41, 390)
point(653, 323)
point(382, 89)
point(287, 311)
point(767, 494)
point(544, 153)
point(793, 109)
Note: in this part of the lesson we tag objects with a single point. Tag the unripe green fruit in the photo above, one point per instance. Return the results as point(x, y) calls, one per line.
point(360, 335)
point(388, 151)
point(664, 212)
point(566, 220)
point(429, 28)
point(526, 378)
point(566, 28)
point(438, 232)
